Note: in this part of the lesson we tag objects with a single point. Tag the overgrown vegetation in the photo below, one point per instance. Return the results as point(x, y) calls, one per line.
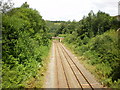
point(25, 45)
point(53, 27)
point(95, 37)
point(102, 53)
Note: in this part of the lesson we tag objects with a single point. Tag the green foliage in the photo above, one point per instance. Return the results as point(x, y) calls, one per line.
point(25, 5)
point(62, 35)
point(5, 5)
point(89, 26)
point(53, 26)
point(94, 38)
point(102, 51)
point(25, 45)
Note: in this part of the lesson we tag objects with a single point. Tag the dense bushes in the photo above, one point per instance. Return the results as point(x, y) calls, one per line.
point(102, 52)
point(96, 38)
point(25, 45)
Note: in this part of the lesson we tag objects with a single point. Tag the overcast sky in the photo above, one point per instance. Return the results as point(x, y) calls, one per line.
point(70, 9)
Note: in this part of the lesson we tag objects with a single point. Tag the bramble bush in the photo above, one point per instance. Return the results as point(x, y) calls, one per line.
point(102, 52)
point(96, 38)
point(25, 45)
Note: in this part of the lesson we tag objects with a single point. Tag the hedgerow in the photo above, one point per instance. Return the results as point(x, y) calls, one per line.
point(25, 44)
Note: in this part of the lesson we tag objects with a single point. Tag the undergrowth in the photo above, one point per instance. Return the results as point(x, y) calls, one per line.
point(25, 44)
point(39, 79)
point(102, 53)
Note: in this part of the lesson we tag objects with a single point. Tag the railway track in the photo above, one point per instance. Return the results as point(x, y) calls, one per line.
point(70, 73)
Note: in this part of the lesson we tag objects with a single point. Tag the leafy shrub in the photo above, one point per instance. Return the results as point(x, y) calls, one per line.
point(25, 45)
point(102, 51)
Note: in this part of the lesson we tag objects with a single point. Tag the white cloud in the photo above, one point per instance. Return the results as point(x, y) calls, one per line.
point(70, 9)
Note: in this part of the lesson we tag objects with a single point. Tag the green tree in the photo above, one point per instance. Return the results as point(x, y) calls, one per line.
point(6, 6)
point(25, 44)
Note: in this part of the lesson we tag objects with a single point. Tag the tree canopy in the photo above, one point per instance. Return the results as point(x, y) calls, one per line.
point(25, 44)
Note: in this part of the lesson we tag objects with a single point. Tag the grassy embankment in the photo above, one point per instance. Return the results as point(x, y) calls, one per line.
point(100, 56)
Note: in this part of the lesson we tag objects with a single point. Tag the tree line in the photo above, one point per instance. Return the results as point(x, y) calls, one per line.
point(25, 44)
point(95, 37)
point(90, 25)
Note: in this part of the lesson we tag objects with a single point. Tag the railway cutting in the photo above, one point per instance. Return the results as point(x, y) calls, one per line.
point(65, 71)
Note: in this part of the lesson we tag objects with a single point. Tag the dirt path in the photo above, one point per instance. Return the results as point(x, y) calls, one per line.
point(65, 71)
